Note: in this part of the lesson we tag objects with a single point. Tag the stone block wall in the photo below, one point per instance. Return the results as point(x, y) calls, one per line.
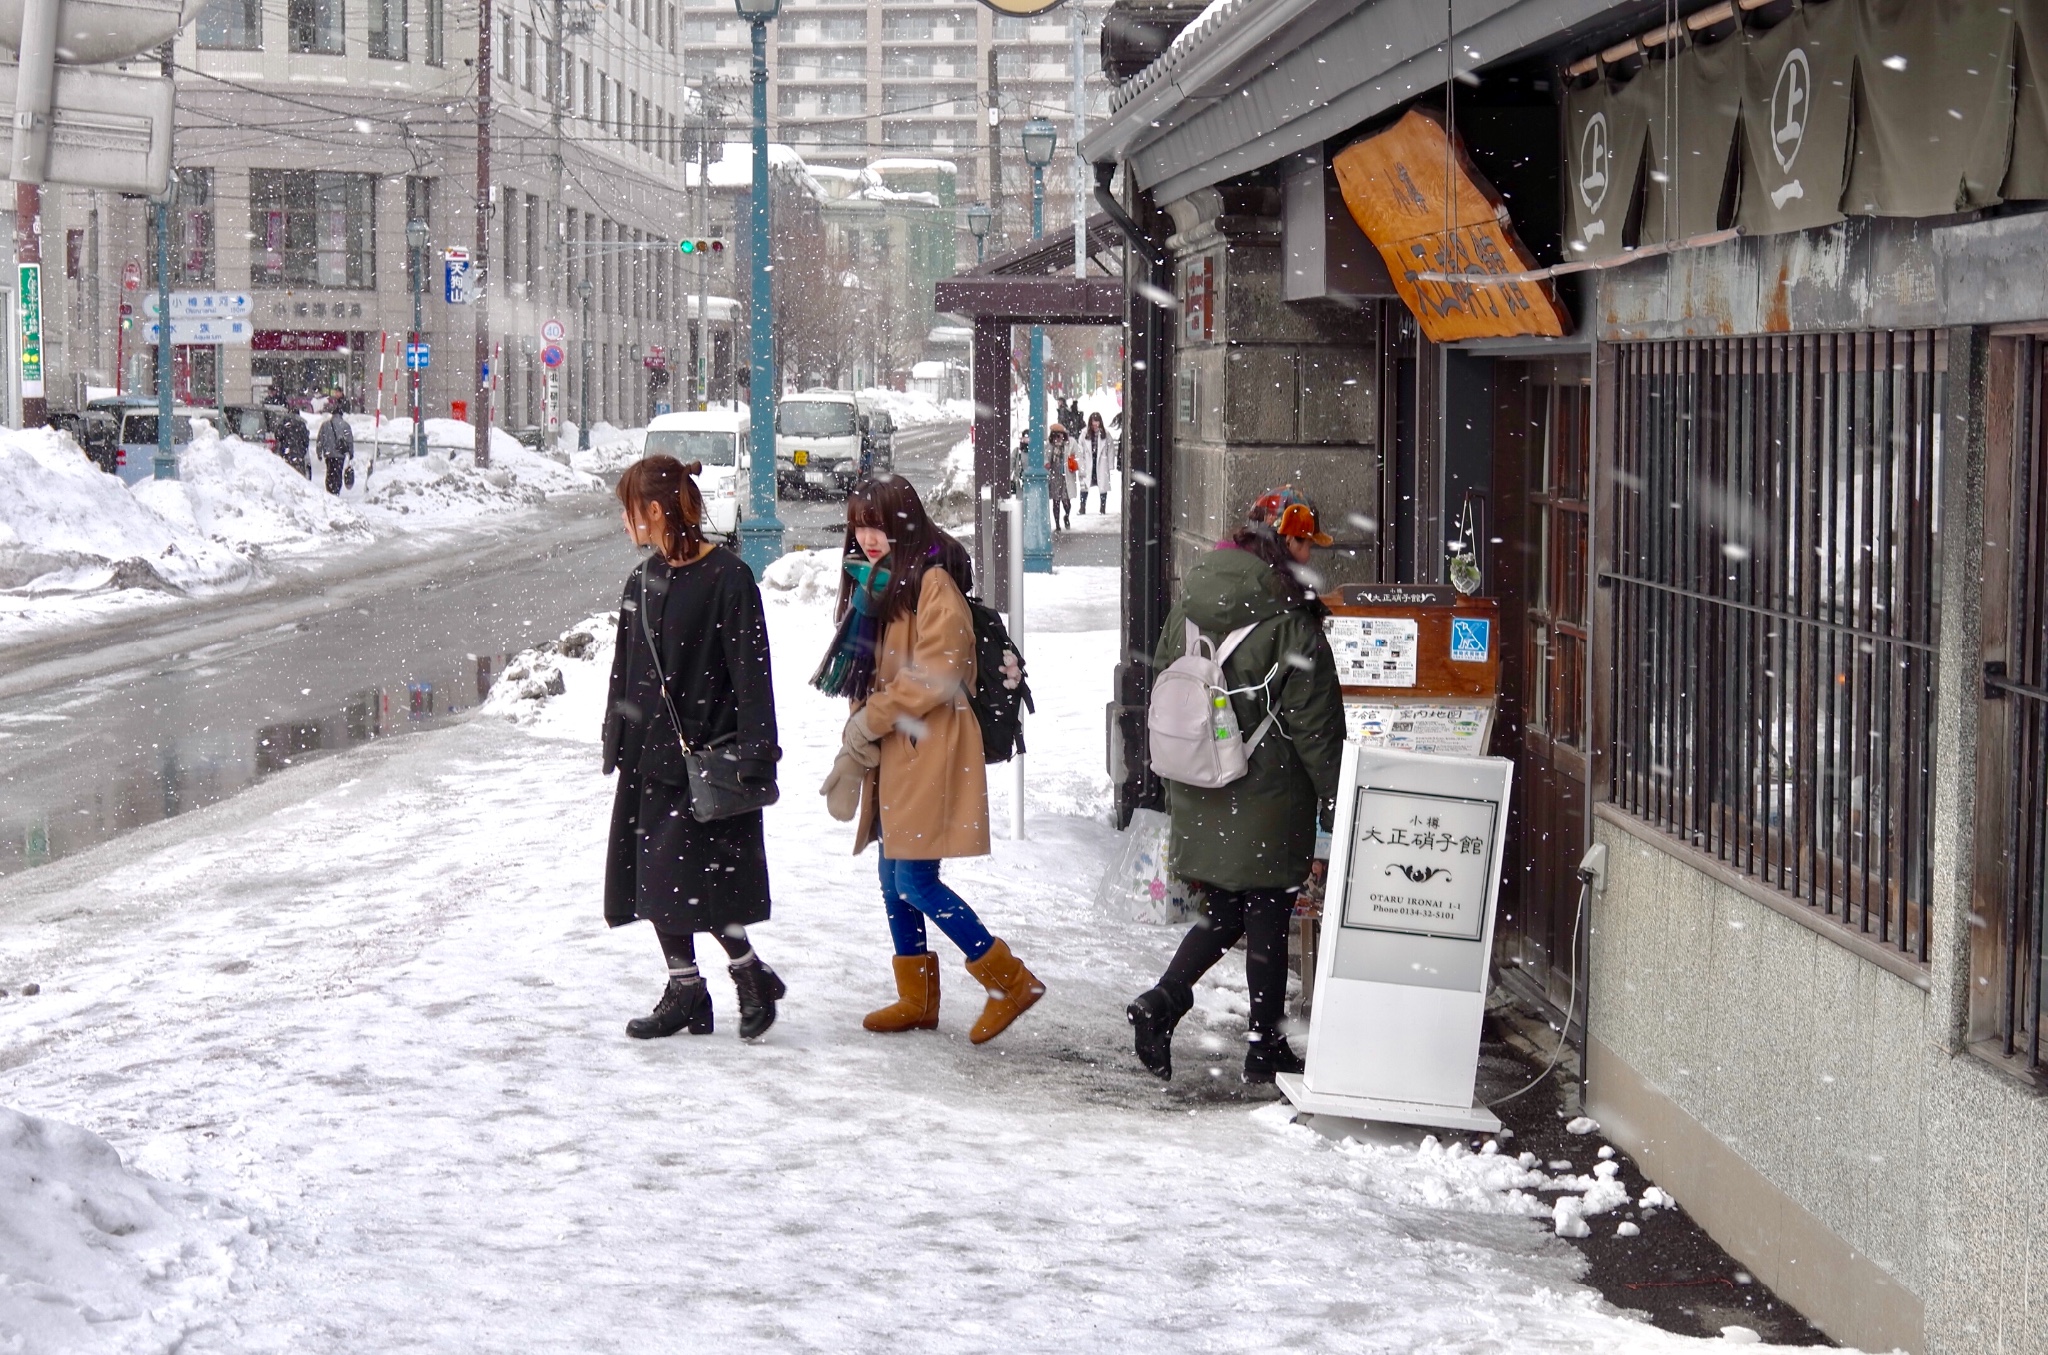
point(1266, 392)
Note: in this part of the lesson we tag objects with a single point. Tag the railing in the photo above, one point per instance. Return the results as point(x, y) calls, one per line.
point(2019, 683)
point(1773, 613)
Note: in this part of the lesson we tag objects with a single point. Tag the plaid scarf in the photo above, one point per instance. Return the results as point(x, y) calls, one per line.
point(848, 668)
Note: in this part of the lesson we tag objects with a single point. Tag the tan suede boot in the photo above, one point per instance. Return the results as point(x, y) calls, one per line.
point(917, 1004)
point(1011, 990)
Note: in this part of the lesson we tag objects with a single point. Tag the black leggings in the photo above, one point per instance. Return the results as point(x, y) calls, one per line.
point(680, 948)
point(1258, 915)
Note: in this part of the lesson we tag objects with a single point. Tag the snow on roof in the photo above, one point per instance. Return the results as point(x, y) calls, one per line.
point(734, 167)
point(911, 162)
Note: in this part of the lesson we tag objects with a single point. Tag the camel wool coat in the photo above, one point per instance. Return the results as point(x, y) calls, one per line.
point(930, 793)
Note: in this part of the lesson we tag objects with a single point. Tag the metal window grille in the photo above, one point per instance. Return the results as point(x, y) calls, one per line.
point(1774, 612)
point(2020, 683)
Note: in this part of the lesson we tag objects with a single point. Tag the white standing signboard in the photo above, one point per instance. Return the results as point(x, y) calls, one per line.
point(1403, 967)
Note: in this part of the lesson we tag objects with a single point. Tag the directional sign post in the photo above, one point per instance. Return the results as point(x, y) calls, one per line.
point(185, 332)
point(203, 305)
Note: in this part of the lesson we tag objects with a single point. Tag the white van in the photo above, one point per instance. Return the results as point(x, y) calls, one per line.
point(817, 441)
point(718, 438)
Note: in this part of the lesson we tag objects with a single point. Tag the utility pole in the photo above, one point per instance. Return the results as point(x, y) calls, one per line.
point(37, 75)
point(705, 366)
point(995, 153)
point(1080, 18)
point(558, 74)
point(482, 252)
point(166, 458)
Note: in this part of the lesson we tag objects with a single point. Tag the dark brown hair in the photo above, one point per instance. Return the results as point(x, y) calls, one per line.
point(1256, 538)
point(890, 502)
point(667, 483)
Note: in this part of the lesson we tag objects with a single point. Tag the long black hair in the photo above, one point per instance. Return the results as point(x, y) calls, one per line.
point(890, 503)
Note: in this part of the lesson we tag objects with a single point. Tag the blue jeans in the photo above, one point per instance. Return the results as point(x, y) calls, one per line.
point(913, 892)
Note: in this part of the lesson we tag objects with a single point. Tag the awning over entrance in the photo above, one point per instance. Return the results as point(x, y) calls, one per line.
point(1032, 286)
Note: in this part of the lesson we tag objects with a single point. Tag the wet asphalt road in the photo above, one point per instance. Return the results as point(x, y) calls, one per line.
point(112, 731)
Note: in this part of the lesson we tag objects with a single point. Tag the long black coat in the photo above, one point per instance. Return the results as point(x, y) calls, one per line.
point(662, 864)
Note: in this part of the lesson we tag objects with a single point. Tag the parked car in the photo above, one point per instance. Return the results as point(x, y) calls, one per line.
point(817, 442)
point(877, 441)
point(718, 439)
point(134, 419)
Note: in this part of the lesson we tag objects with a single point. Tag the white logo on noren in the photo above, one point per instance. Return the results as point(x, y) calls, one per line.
point(1791, 105)
point(1593, 155)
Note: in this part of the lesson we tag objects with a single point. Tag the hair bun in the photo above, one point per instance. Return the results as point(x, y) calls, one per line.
point(693, 468)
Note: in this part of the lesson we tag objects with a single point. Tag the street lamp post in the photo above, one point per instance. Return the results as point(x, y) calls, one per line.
point(978, 217)
point(1040, 138)
point(416, 237)
point(583, 293)
point(760, 531)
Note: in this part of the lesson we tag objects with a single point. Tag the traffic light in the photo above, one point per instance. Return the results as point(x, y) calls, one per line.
point(712, 247)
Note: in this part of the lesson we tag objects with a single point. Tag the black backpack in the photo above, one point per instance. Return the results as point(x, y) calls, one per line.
point(996, 706)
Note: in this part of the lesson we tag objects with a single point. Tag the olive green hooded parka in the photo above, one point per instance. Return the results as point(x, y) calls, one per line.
point(1259, 831)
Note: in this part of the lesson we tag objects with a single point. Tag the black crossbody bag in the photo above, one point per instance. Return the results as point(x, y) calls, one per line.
point(716, 790)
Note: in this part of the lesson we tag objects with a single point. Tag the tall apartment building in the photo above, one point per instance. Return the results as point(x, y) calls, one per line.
point(310, 131)
point(853, 80)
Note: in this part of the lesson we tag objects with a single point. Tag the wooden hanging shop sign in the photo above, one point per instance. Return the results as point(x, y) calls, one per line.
point(1424, 206)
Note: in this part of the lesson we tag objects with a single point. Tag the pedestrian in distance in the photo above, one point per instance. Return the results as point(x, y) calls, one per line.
point(689, 675)
point(911, 769)
point(1059, 477)
point(338, 448)
point(1097, 455)
point(294, 439)
point(1250, 844)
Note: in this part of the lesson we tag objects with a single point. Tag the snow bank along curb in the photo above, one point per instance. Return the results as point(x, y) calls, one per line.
point(67, 529)
point(94, 1256)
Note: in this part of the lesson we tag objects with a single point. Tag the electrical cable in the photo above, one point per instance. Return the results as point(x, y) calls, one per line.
point(1571, 1001)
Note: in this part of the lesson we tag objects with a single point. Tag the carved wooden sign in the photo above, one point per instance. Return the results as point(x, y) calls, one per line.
point(1426, 208)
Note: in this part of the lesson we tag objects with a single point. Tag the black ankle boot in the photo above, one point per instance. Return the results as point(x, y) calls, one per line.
point(760, 988)
point(683, 1003)
point(1153, 1014)
point(1266, 1053)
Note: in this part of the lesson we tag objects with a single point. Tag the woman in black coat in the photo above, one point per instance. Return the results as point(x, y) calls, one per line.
point(703, 610)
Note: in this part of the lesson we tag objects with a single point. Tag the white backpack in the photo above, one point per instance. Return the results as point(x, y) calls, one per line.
point(1194, 734)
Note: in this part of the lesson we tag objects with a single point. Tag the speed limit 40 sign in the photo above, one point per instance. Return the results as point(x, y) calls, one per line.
point(551, 331)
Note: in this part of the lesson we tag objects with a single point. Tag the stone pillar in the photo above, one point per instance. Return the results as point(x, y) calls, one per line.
point(1266, 391)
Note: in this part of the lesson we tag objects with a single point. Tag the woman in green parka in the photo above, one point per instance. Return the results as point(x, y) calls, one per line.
point(1250, 845)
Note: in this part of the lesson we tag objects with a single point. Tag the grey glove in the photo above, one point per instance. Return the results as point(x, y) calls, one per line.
point(859, 742)
point(842, 788)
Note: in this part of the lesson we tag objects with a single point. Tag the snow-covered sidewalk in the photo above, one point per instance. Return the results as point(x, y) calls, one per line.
point(364, 1024)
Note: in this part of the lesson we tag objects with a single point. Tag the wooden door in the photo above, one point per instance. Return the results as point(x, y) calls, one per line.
point(1541, 479)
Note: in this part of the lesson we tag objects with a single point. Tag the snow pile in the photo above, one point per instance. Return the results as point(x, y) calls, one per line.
point(66, 526)
point(954, 494)
point(802, 576)
point(95, 1257)
point(910, 409)
point(246, 497)
point(612, 449)
point(446, 485)
point(579, 662)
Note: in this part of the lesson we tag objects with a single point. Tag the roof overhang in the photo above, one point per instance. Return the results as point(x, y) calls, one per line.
point(1033, 300)
point(1254, 83)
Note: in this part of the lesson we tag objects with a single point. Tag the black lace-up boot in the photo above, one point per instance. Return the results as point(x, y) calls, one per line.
point(685, 1003)
point(760, 988)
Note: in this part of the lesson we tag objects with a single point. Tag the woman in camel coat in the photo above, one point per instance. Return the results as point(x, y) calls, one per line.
point(912, 771)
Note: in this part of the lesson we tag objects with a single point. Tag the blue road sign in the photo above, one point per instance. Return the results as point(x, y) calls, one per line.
point(418, 357)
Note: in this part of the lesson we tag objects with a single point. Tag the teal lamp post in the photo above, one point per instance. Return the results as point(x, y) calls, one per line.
point(1040, 139)
point(761, 530)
